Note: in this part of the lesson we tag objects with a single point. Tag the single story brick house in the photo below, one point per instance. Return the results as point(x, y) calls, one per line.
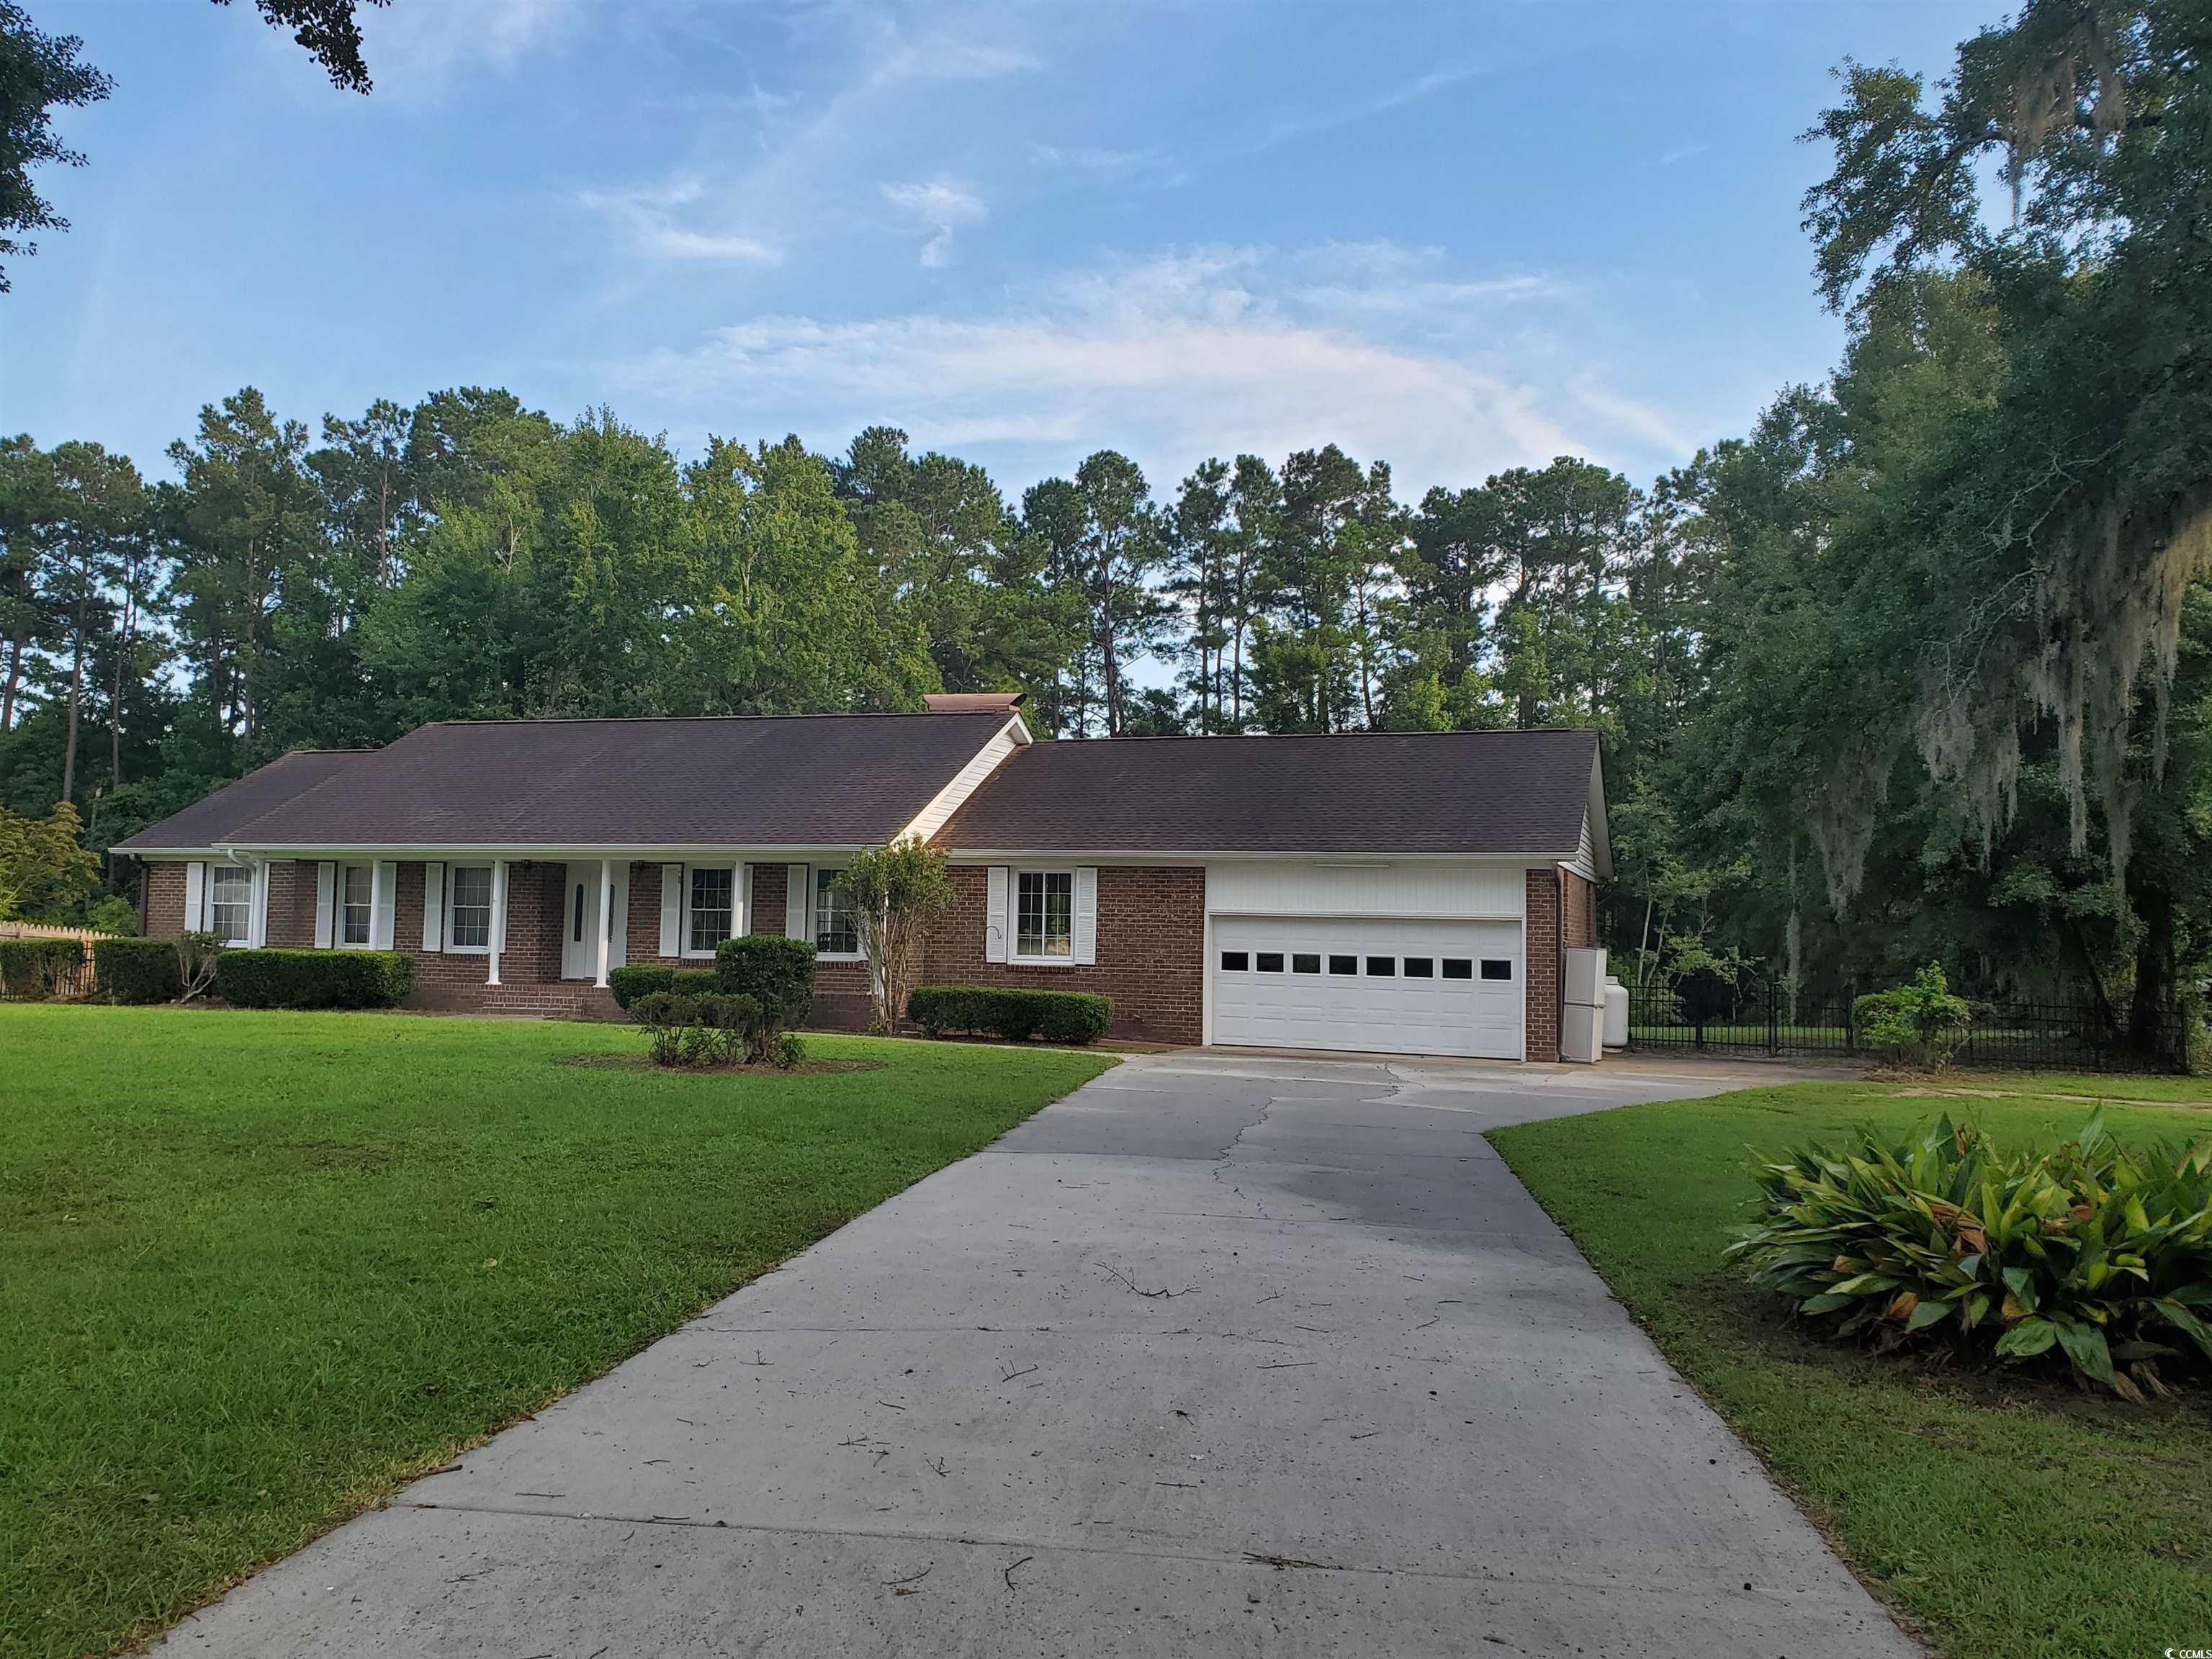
point(1380, 891)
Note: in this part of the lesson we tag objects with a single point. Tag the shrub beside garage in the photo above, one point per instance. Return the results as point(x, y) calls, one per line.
point(312, 979)
point(1016, 1016)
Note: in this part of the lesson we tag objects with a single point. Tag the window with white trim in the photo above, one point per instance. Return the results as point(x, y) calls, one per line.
point(468, 908)
point(836, 932)
point(714, 895)
point(356, 900)
point(1044, 915)
point(230, 903)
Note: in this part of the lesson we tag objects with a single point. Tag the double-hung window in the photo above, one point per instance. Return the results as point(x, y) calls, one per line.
point(714, 895)
point(468, 921)
point(356, 900)
point(1044, 915)
point(836, 932)
point(230, 903)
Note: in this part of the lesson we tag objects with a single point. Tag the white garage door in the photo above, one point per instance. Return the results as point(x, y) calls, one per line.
point(1378, 986)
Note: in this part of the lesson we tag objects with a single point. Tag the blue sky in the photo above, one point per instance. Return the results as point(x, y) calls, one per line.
point(1460, 238)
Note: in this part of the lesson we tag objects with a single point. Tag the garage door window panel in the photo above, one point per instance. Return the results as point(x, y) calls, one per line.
point(1420, 968)
point(1302, 963)
point(1459, 968)
point(1344, 964)
point(1270, 961)
point(1497, 968)
point(1236, 962)
point(1381, 967)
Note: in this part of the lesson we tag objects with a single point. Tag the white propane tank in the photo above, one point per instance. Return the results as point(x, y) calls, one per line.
point(1616, 1013)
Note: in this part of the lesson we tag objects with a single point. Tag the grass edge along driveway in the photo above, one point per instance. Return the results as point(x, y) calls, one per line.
point(2007, 1522)
point(262, 1269)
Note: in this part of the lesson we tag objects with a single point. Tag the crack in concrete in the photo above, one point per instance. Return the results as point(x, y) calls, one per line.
point(1256, 1562)
point(1223, 1158)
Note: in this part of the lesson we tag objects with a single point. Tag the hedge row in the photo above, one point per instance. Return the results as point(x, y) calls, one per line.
point(38, 970)
point(647, 979)
point(1073, 1016)
point(312, 979)
point(138, 970)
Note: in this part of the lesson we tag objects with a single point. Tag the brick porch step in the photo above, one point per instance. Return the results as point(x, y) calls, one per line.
point(551, 1001)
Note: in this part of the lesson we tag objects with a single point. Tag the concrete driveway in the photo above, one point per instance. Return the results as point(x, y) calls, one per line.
point(1220, 1355)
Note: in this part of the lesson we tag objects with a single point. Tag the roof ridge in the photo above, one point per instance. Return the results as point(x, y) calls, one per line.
point(701, 719)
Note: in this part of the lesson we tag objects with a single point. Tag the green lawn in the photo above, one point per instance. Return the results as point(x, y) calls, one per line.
point(260, 1268)
point(2012, 1522)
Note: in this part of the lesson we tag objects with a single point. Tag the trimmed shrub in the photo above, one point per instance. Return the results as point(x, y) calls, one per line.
point(2091, 1253)
point(776, 972)
point(312, 979)
point(644, 980)
point(138, 970)
point(647, 978)
point(1069, 1017)
point(1920, 1024)
point(39, 969)
point(712, 1028)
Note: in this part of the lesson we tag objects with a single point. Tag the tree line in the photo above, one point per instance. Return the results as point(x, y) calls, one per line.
point(1914, 669)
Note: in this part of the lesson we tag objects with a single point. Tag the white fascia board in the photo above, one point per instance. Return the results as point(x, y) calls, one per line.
point(1059, 856)
point(1005, 744)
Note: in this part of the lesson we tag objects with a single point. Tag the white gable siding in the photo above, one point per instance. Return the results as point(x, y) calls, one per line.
point(1306, 888)
point(969, 778)
point(1584, 862)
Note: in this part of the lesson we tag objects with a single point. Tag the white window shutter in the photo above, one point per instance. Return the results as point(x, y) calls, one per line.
point(994, 913)
point(744, 922)
point(433, 906)
point(1085, 928)
point(195, 896)
point(672, 910)
point(383, 898)
point(257, 922)
point(799, 902)
point(326, 899)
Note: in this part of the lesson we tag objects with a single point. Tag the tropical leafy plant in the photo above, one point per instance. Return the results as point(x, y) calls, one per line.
point(2091, 1252)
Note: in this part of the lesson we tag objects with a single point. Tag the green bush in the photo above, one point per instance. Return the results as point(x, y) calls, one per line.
point(776, 972)
point(710, 1028)
point(312, 979)
point(1920, 1024)
point(1068, 1017)
point(2093, 1252)
point(645, 978)
point(138, 970)
point(39, 969)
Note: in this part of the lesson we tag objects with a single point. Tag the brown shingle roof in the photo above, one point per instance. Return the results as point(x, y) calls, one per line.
point(1503, 794)
point(213, 821)
point(797, 781)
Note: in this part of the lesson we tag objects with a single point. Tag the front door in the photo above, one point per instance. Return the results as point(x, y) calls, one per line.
point(582, 923)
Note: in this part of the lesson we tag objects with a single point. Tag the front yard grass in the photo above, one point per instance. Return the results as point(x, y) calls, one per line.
point(2010, 1519)
point(256, 1270)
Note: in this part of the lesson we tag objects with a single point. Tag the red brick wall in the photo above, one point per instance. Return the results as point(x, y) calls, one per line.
point(1581, 910)
point(162, 905)
point(1542, 940)
point(1152, 949)
point(841, 988)
point(291, 905)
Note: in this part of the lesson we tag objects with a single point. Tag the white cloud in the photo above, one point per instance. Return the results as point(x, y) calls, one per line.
point(1148, 166)
point(1391, 98)
point(418, 49)
point(1207, 352)
point(942, 59)
point(940, 207)
point(1681, 153)
point(652, 217)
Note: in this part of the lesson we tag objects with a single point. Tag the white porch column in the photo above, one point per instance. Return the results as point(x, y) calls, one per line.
point(498, 916)
point(606, 921)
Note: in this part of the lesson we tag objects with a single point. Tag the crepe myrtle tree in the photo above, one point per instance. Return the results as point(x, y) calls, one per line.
point(896, 891)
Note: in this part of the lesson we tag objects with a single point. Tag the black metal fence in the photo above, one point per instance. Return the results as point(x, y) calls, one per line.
point(1758, 1018)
